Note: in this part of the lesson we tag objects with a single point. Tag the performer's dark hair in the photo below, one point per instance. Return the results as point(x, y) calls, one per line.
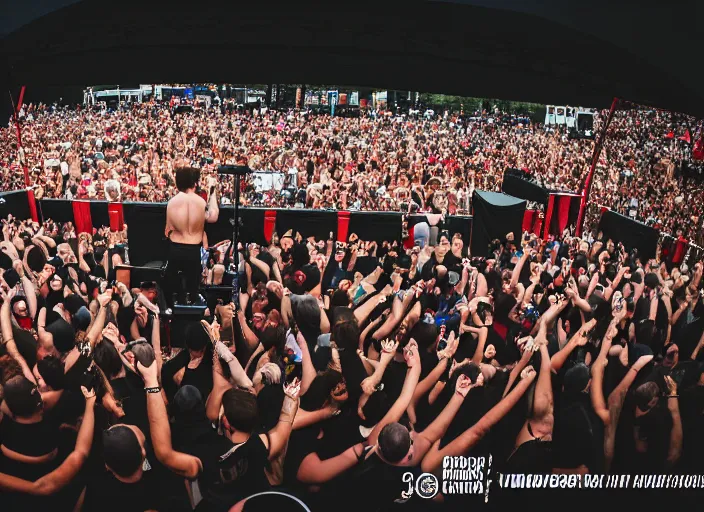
point(185, 178)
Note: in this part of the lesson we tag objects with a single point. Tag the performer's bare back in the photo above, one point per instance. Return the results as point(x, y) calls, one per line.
point(185, 218)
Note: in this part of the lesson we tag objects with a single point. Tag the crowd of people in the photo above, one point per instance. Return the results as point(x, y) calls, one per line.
point(375, 162)
point(341, 368)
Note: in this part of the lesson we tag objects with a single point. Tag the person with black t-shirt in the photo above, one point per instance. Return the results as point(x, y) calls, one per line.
point(54, 489)
point(227, 466)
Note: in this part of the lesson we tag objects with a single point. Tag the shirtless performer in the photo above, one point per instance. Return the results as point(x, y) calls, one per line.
point(186, 215)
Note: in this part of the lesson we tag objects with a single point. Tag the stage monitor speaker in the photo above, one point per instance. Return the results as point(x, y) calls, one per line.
point(495, 215)
point(180, 318)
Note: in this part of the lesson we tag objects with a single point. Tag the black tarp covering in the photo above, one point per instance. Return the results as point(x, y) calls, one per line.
point(58, 210)
point(252, 220)
point(514, 184)
point(461, 224)
point(145, 231)
point(376, 226)
point(99, 214)
point(146, 222)
point(15, 203)
point(630, 233)
point(317, 223)
point(495, 215)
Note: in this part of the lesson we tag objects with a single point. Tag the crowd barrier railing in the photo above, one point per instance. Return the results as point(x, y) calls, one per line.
point(146, 221)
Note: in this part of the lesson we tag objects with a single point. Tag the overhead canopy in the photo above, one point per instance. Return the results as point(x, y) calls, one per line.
point(499, 199)
point(420, 46)
point(513, 184)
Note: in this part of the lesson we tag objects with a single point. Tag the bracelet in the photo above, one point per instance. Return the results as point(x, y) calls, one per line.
point(673, 396)
point(285, 421)
point(631, 368)
point(156, 389)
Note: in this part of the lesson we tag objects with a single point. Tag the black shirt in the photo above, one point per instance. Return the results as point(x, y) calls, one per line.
point(231, 471)
point(107, 493)
point(379, 487)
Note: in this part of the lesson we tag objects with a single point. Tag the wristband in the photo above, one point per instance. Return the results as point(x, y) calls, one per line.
point(153, 390)
point(673, 396)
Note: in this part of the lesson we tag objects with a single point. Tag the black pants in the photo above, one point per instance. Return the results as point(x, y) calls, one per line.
point(183, 271)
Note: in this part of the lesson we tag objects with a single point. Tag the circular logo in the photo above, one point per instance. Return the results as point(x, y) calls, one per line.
point(427, 486)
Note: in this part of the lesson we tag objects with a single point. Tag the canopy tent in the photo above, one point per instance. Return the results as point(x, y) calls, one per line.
point(486, 52)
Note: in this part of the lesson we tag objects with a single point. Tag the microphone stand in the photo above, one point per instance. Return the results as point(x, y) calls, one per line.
point(235, 240)
point(236, 171)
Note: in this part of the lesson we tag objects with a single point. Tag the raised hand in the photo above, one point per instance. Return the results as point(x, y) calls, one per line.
point(369, 386)
point(490, 352)
point(149, 374)
point(111, 333)
point(449, 351)
point(642, 361)
point(223, 352)
point(389, 346)
point(671, 385)
point(410, 354)
point(527, 344)
point(527, 372)
point(88, 395)
point(105, 298)
point(464, 384)
point(292, 389)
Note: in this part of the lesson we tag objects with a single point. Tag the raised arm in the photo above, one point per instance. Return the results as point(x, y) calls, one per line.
point(470, 437)
point(434, 432)
point(238, 375)
point(675, 450)
point(69, 468)
point(516, 272)
point(596, 389)
point(525, 345)
point(307, 367)
point(278, 437)
point(220, 384)
point(363, 311)
point(213, 209)
point(30, 293)
point(96, 328)
point(404, 399)
point(7, 336)
point(481, 341)
point(578, 340)
point(616, 400)
point(247, 333)
point(315, 471)
point(182, 464)
point(424, 386)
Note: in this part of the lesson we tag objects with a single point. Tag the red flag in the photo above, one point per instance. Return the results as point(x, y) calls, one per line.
point(686, 137)
point(670, 135)
point(698, 150)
